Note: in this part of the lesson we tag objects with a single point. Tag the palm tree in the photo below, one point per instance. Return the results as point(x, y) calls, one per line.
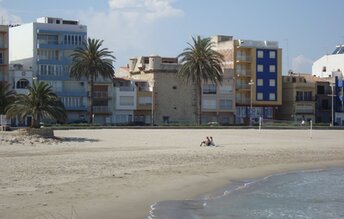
point(91, 61)
point(6, 96)
point(200, 63)
point(41, 103)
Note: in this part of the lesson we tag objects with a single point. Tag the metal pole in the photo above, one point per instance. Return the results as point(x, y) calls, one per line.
point(311, 127)
point(332, 104)
point(152, 122)
point(251, 84)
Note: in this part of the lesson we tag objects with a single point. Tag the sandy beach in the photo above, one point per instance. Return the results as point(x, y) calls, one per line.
point(120, 173)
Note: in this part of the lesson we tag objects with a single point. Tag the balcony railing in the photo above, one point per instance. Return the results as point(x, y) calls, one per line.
point(244, 58)
point(127, 89)
point(311, 99)
point(100, 94)
point(101, 109)
point(304, 110)
point(243, 72)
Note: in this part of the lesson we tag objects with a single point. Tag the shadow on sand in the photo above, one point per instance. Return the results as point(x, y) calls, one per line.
point(71, 139)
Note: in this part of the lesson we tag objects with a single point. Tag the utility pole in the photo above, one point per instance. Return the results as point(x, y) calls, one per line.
point(251, 83)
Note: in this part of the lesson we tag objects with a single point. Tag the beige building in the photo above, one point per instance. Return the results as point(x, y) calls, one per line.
point(4, 53)
point(298, 98)
point(162, 97)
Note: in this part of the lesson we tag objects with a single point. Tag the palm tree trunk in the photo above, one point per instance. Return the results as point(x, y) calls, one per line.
point(91, 101)
point(199, 84)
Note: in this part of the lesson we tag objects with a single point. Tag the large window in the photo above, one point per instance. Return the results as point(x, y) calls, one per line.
point(260, 82)
point(260, 54)
point(272, 54)
point(209, 89)
point(126, 101)
point(226, 104)
point(1, 58)
point(272, 82)
point(145, 100)
point(22, 84)
point(259, 96)
point(260, 68)
point(209, 104)
point(272, 68)
point(272, 96)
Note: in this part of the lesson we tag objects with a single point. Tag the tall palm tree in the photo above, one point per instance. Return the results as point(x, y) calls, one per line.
point(6, 96)
point(200, 63)
point(41, 103)
point(91, 61)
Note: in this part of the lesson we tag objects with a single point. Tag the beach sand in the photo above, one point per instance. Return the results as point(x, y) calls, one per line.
point(120, 173)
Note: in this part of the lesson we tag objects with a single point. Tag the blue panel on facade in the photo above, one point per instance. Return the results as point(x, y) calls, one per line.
point(266, 75)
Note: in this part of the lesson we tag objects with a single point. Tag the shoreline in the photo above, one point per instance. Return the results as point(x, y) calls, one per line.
point(121, 173)
point(252, 175)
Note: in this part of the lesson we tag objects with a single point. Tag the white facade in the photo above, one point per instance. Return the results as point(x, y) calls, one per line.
point(328, 64)
point(44, 48)
point(21, 79)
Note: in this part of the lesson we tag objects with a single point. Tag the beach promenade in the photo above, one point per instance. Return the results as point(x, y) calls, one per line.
point(120, 173)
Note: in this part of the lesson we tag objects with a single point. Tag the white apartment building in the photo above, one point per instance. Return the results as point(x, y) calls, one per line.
point(44, 47)
point(330, 65)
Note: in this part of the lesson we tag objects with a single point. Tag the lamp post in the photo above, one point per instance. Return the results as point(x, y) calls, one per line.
point(251, 83)
point(152, 109)
point(332, 85)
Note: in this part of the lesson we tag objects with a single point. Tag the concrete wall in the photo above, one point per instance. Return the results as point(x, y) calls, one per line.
point(21, 43)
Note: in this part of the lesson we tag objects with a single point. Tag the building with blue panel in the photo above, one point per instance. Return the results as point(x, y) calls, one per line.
point(258, 67)
point(44, 47)
point(256, 74)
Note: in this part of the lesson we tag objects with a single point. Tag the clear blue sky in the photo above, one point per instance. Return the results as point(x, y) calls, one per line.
point(305, 29)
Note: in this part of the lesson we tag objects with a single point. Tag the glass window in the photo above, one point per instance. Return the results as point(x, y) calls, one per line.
point(260, 82)
point(209, 104)
point(126, 101)
point(272, 82)
point(22, 84)
point(272, 68)
point(260, 54)
point(260, 68)
point(259, 96)
point(272, 96)
point(272, 54)
point(209, 89)
point(225, 104)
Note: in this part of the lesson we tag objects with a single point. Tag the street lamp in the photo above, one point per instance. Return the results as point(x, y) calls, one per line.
point(152, 109)
point(251, 83)
point(332, 85)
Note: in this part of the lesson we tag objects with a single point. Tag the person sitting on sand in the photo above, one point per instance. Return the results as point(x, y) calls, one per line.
point(211, 143)
point(206, 142)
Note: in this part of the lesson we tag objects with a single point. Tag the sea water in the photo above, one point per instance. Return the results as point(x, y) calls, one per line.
point(305, 194)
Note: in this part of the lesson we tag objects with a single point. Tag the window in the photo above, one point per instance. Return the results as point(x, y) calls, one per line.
point(226, 89)
point(272, 82)
point(209, 89)
point(225, 104)
point(272, 54)
point(259, 96)
point(209, 104)
point(22, 84)
point(260, 54)
point(145, 100)
point(126, 101)
point(272, 68)
point(260, 68)
point(1, 58)
point(260, 82)
point(272, 96)
point(321, 89)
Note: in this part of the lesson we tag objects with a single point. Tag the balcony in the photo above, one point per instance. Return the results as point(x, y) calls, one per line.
point(76, 108)
point(304, 110)
point(243, 101)
point(101, 95)
point(243, 58)
point(243, 73)
point(101, 109)
point(302, 99)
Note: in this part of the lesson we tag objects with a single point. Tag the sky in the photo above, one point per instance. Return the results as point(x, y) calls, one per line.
point(305, 29)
